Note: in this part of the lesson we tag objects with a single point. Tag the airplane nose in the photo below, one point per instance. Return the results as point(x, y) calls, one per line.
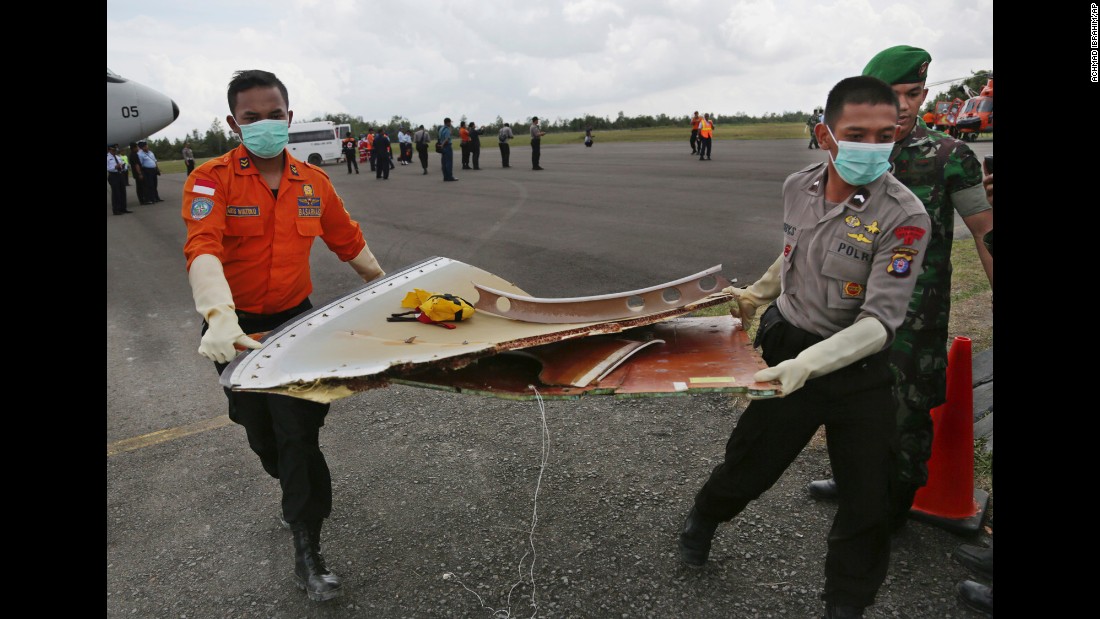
point(175, 111)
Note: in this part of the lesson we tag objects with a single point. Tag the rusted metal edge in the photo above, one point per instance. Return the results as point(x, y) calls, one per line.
point(618, 306)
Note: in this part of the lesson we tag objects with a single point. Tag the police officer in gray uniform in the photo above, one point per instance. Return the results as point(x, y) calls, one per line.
point(853, 241)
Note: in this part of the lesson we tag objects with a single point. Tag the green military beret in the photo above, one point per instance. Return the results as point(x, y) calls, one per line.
point(902, 64)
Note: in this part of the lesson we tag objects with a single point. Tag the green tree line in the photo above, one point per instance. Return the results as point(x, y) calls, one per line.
point(218, 139)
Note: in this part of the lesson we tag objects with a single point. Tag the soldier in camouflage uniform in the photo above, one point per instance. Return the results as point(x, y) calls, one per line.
point(944, 173)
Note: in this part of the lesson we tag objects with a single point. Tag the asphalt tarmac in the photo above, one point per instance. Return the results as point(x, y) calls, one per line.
point(428, 483)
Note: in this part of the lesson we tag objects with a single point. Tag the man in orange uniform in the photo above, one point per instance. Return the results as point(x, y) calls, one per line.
point(706, 128)
point(695, 130)
point(252, 216)
point(370, 148)
point(464, 135)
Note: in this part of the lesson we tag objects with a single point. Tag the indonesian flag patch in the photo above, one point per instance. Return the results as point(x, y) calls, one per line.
point(204, 187)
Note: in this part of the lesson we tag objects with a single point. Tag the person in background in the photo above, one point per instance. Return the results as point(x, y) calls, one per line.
point(135, 170)
point(695, 120)
point(536, 143)
point(464, 136)
point(811, 122)
point(348, 146)
point(446, 151)
point(505, 148)
point(383, 155)
point(422, 138)
point(149, 172)
point(706, 131)
point(116, 178)
point(475, 144)
point(188, 158)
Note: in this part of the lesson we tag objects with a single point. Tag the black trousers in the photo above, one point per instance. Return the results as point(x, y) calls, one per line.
point(465, 146)
point(856, 406)
point(352, 160)
point(285, 433)
point(149, 175)
point(536, 151)
point(117, 181)
point(422, 151)
point(475, 155)
point(704, 147)
point(190, 163)
point(383, 165)
point(139, 185)
point(694, 138)
point(505, 152)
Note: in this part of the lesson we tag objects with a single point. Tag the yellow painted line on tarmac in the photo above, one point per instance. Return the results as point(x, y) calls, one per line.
point(163, 436)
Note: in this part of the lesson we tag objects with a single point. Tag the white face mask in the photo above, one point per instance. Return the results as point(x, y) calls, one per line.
point(859, 163)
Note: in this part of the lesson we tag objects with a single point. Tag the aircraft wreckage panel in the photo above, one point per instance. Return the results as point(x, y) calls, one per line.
point(618, 306)
point(698, 355)
point(348, 346)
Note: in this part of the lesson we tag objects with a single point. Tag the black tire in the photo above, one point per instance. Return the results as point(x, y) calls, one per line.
point(315, 159)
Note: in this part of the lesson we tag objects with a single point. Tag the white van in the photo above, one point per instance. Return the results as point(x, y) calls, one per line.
point(316, 142)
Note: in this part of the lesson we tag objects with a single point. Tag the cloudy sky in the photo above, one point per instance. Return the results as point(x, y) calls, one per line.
point(427, 59)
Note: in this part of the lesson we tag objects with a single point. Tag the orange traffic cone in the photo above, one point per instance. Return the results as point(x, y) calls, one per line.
point(949, 499)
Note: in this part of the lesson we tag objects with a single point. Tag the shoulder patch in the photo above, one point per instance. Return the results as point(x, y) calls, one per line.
point(901, 262)
point(201, 207)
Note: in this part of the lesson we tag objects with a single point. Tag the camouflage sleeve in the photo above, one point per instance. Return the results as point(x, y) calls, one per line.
point(963, 178)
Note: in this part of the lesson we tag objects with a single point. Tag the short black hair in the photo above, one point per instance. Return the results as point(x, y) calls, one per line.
point(446, 120)
point(857, 90)
point(253, 78)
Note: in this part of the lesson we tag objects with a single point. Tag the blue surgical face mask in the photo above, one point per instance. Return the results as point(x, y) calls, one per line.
point(265, 138)
point(858, 163)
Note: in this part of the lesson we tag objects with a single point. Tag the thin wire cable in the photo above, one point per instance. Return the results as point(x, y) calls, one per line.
point(506, 612)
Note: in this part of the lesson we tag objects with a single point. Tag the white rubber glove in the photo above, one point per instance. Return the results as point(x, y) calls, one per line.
point(214, 301)
point(864, 338)
point(366, 265)
point(763, 291)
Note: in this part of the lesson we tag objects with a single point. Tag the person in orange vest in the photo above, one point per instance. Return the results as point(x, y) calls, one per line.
point(370, 147)
point(247, 258)
point(706, 130)
point(695, 130)
point(464, 135)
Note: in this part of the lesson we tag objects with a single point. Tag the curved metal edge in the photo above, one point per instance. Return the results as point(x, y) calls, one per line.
point(600, 297)
point(620, 306)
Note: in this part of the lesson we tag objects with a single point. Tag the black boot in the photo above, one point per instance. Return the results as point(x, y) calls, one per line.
point(822, 490)
point(977, 558)
point(976, 596)
point(695, 539)
point(836, 611)
point(310, 572)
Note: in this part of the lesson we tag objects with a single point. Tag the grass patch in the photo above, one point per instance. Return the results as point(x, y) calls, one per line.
point(176, 166)
point(757, 131)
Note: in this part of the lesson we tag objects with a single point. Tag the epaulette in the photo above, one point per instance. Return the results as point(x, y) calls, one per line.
point(810, 168)
point(315, 168)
